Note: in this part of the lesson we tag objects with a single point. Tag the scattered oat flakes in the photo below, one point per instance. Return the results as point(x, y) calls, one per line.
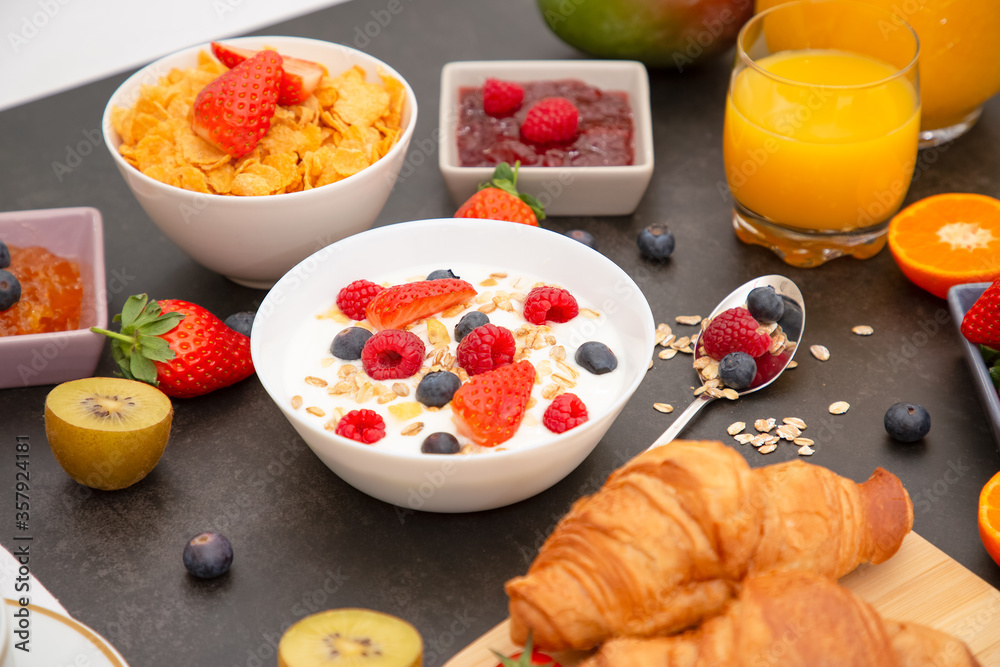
point(412, 429)
point(296, 402)
point(590, 314)
point(802, 442)
point(760, 439)
point(768, 448)
point(792, 364)
point(401, 389)
point(730, 393)
point(715, 392)
point(702, 362)
point(315, 411)
point(764, 425)
point(663, 407)
point(668, 353)
point(687, 349)
point(663, 331)
point(681, 342)
point(489, 282)
point(788, 432)
point(327, 362)
point(315, 381)
point(794, 421)
point(863, 330)
point(744, 438)
point(736, 427)
point(839, 408)
point(820, 352)
point(806, 450)
point(690, 320)
point(650, 367)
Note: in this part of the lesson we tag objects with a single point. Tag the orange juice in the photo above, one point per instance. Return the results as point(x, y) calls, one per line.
point(959, 53)
point(809, 145)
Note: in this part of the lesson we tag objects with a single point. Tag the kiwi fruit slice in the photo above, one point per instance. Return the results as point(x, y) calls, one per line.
point(107, 433)
point(350, 638)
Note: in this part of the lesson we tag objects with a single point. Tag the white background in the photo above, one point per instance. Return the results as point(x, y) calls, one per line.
point(51, 45)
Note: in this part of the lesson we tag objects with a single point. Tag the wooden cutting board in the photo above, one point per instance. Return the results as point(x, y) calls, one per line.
point(920, 584)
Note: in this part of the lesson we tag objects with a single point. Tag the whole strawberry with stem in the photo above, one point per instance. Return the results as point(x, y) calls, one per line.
point(177, 346)
point(981, 323)
point(499, 199)
point(234, 110)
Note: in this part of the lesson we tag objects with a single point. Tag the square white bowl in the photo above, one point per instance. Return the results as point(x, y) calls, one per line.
point(563, 190)
point(51, 358)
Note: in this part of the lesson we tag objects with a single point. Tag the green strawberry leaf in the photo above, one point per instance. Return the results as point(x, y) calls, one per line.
point(995, 376)
point(143, 369)
point(139, 343)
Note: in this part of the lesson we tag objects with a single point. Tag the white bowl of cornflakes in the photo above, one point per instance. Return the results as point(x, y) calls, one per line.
point(322, 172)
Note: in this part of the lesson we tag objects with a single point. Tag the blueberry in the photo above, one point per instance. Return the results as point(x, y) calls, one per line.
point(10, 289)
point(765, 304)
point(583, 236)
point(469, 321)
point(907, 422)
point(440, 443)
point(596, 357)
point(440, 274)
point(347, 344)
point(436, 389)
point(791, 320)
point(656, 242)
point(737, 370)
point(208, 555)
point(241, 322)
point(4, 255)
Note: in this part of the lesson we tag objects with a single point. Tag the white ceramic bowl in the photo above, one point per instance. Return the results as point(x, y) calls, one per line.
point(50, 358)
point(563, 190)
point(459, 483)
point(255, 240)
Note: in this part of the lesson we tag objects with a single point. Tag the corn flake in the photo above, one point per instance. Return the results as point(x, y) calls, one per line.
point(346, 125)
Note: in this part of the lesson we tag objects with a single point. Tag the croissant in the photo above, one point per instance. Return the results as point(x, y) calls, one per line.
point(669, 537)
point(792, 619)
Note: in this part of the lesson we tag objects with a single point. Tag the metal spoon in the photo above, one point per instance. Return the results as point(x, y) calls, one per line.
point(792, 323)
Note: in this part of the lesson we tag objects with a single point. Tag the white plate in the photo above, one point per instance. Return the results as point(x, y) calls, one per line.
point(57, 640)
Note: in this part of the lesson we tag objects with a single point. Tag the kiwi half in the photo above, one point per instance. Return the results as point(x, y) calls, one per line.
point(350, 638)
point(107, 433)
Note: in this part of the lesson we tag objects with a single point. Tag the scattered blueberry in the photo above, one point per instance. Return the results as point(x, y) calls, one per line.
point(436, 389)
point(469, 321)
point(208, 555)
point(10, 289)
point(440, 443)
point(737, 370)
point(907, 422)
point(241, 322)
point(765, 304)
point(4, 255)
point(656, 242)
point(596, 357)
point(583, 236)
point(348, 343)
point(441, 274)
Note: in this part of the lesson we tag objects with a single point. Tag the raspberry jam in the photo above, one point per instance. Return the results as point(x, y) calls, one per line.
point(604, 138)
point(51, 293)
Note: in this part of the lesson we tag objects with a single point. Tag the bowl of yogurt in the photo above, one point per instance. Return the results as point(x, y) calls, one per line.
point(291, 345)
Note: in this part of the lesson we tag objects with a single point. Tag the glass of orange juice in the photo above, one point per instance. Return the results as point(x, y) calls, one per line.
point(821, 128)
point(959, 59)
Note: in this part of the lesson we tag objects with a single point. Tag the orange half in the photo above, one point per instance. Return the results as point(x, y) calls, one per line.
point(948, 239)
point(989, 517)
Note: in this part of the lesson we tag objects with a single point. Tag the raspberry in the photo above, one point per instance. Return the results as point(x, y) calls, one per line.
point(392, 354)
point(501, 98)
point(734, 330)
point(565, 412)
point(551, 120)
point(353, 299)
point(484, 348)
point(362, 425)
point(550, 303)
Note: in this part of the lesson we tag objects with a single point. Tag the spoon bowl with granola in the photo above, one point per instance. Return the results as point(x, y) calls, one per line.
point(745, 344)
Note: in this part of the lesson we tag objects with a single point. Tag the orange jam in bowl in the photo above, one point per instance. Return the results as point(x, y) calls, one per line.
point(51, 293)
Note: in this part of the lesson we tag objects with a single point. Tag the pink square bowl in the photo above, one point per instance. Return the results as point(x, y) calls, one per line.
point(51, 358)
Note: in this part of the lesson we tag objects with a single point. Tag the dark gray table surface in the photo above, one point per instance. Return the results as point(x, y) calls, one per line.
point(305, 540)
